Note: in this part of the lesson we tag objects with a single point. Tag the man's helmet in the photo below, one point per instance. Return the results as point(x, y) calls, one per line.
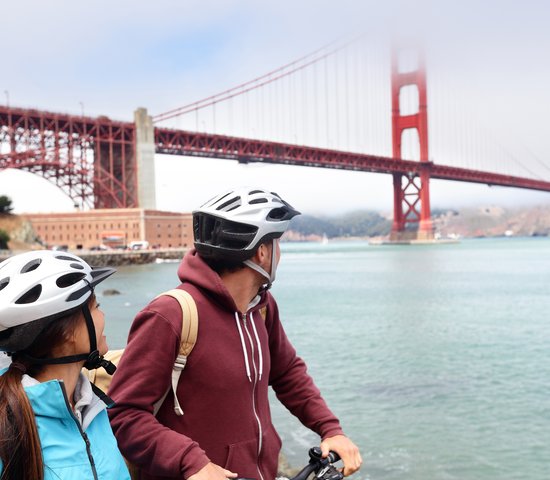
point(38, 287)
point(232, 225)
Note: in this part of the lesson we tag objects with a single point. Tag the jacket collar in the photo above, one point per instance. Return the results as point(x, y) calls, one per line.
point(49, 399)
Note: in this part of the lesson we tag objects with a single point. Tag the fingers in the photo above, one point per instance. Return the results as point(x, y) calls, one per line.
point(229, 474)
point(352, 464)
point(348, 451)
point(213, 472)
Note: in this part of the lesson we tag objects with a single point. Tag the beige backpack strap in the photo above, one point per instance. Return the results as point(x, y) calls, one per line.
point(190, 325)
point(189, 332)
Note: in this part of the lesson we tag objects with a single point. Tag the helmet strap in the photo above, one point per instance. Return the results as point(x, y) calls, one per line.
point(95, 359)
point(92, 360)
point(273, 263)
point(269, 276)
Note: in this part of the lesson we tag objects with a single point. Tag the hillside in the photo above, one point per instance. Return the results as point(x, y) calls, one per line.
point(494, 221)
point(354, 224)
point(469, 222)
point(22, 235)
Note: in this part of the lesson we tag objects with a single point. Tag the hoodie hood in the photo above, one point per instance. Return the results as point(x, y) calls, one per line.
point(194, 270)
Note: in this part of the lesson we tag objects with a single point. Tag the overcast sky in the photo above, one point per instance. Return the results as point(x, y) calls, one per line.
point(109, 58)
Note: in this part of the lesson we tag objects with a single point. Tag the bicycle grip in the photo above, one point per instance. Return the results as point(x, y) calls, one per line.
point(315, 453)
point(333, 457)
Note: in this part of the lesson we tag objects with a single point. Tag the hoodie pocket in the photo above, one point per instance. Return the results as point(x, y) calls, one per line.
point(270, 453)
point(242, 458)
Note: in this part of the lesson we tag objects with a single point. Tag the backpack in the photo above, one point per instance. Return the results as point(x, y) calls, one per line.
point(189, 330)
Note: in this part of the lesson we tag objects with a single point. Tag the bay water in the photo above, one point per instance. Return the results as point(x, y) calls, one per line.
point(436, 358)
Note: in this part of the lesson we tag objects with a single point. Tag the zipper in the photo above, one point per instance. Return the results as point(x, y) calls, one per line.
point(255, 383)
point(82, 432)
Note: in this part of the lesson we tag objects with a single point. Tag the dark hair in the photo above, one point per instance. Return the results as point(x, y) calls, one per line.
point(222, 265)
point(20, 449)
point(227, 265)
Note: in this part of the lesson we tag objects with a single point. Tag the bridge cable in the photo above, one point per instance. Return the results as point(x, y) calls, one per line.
point(272, 76)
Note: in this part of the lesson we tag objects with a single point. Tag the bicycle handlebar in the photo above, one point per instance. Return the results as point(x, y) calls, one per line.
point(323, 468)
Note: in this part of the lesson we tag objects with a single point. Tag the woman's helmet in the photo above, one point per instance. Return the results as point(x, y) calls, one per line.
point(38, 287)
point(232, 225)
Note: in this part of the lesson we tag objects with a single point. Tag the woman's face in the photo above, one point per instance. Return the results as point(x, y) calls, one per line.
point(99, 323)
point(81, 333)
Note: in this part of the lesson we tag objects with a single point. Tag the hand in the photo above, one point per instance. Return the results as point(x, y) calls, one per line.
point(212, 472)
point(348, 451)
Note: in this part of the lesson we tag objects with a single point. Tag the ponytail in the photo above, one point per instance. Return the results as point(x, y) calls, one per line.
point(20, 449)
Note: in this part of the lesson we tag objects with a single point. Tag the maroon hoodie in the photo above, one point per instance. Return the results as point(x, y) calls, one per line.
point(223, 390)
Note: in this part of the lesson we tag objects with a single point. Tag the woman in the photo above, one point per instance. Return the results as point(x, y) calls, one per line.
point(53, 423)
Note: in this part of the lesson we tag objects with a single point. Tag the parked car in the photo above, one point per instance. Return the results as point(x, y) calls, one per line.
point(139, 245)
point(99, 248)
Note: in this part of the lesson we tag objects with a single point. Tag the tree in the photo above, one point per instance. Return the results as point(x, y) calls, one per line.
point(5, 204)
point(4, 239)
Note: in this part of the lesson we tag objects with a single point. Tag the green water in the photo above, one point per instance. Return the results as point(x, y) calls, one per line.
point(435, 358)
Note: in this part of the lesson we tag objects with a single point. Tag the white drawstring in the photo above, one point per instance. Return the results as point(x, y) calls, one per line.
point(243, 347)
point(259, 346)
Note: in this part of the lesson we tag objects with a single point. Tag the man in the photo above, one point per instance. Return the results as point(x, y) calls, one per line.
point(225, 430)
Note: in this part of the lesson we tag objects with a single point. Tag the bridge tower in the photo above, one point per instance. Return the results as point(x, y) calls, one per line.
point(411, 191)
point(144, 137)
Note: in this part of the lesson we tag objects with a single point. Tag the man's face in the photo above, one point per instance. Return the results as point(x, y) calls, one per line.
point(277, 245)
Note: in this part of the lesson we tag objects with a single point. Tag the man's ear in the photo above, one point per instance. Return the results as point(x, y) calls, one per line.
point(262, 254)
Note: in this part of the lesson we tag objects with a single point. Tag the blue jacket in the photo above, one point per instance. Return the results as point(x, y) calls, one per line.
point(74, 449)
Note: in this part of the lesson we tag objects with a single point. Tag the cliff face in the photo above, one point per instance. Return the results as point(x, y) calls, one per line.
point(22, 235)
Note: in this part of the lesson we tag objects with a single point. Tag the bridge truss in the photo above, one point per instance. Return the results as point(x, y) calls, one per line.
point(90, 159)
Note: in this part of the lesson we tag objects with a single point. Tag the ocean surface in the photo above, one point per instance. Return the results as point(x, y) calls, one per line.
point(435, 358)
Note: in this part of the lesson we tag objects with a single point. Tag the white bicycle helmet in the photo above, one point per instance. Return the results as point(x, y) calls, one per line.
point(36, 288)
point(232, 225)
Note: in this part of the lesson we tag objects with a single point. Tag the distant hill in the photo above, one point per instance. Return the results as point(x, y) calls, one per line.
point(489, 221)
point(492, 221)
point(354, 224)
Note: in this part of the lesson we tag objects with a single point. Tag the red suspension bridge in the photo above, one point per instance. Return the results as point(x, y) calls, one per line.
point(315, 111)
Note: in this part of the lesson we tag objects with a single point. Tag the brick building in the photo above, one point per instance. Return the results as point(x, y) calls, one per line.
point(114, 228)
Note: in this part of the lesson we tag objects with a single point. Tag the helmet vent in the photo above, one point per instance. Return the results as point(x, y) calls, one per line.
point(78, 266)
point(215, 200)
point(65, 257)
point(255, 191)
point(4, 282)
point(231, 204)
point(31, 296)
point(32, 265)
point(69, 279)
point(258, 200)
point(277, 214)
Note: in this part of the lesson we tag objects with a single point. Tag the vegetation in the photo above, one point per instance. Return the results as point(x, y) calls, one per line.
point(5, 204)
point(4, 239)
point(354, 224)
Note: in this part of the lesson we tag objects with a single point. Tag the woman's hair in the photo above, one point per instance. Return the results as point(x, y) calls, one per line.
point(20, 449)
